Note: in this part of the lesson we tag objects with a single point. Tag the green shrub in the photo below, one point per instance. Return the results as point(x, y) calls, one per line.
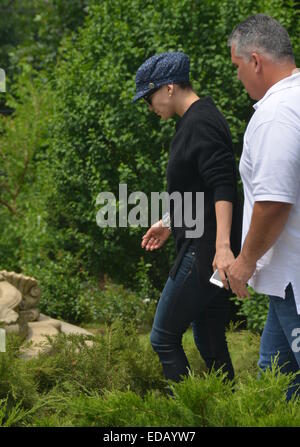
point(23, 138)
point(254, 310)
point(114, 302)
point(117, 381)
point(116, 360)
point(13, 416)
point(16, 381)
point(198, 402)
point(257, 403)
point(64, 288)
point(115, 409)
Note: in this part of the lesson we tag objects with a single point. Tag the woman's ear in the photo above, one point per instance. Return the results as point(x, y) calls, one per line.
point(170, 88)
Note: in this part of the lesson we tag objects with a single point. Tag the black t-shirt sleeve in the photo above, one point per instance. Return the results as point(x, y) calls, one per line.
point(210, 148)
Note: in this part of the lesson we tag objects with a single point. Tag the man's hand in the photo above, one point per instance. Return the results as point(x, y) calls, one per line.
point(222, 261)
point(238, 275)
point(155, 237)
point(267, 222)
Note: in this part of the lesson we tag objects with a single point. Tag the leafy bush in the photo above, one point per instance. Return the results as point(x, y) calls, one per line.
point(116, 303)
point(23, 137)
point(27, 242)
point(116, 360)
point(116, 409)
point(198, 402)
point(257, 403)
point(11, 416)
point(48, 22)
point(254, 309)
point(16, 381)
point(117, 381)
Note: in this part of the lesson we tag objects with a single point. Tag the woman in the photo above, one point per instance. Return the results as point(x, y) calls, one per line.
point(201, 160)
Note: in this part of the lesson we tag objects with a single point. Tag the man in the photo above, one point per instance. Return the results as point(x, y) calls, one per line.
point(270, 170)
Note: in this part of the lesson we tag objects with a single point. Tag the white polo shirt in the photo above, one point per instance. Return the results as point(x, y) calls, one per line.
point(270, 170)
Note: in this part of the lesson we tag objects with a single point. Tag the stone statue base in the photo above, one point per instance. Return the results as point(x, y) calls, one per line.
point(19, 314)
point(46, 326)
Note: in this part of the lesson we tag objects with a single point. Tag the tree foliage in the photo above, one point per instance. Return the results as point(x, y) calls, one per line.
point(101, 140)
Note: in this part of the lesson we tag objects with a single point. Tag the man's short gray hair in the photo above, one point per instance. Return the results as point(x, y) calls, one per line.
point(263, 34)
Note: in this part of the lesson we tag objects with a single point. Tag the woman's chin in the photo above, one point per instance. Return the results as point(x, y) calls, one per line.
point(164, 117)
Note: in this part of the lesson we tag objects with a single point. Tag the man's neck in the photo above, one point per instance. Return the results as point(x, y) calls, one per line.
point(275, 74)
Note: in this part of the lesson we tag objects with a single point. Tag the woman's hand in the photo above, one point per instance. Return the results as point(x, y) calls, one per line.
point(223, 259)
point(156, 236)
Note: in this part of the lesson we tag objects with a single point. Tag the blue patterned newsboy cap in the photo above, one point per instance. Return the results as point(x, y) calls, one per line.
point(161, 69)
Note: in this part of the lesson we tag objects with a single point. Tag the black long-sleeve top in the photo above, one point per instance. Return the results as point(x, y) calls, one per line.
point(202, 159)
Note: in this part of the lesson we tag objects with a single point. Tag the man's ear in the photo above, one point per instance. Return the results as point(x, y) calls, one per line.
point(257, 61)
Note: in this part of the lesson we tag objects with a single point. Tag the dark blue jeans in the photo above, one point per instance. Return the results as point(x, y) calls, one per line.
point(280, 338)
point(180, 305)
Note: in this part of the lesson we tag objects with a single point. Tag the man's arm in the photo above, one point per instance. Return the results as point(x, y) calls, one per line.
point(267, 222)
